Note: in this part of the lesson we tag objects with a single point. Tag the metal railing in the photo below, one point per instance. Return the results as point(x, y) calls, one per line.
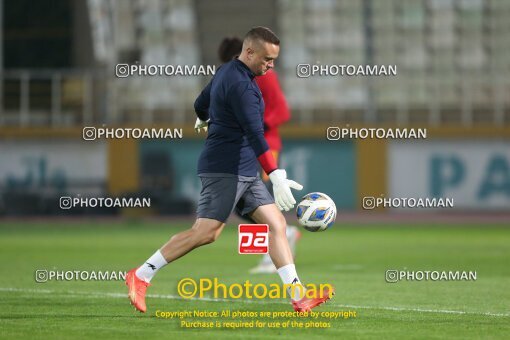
point(70, 98)
point(51, 97)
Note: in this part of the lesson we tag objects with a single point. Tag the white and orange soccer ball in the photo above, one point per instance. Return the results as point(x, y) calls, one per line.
point(316, 212)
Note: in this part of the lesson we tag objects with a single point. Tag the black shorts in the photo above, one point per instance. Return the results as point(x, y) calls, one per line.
point(222, 193)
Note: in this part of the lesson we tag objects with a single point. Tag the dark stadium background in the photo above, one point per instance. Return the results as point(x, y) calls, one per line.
point(58, 76)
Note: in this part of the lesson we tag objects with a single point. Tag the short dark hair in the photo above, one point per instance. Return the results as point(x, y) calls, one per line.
point(230, 47)
point(262, 34)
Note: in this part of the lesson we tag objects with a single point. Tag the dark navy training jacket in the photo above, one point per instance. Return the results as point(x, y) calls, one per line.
point(233, 102)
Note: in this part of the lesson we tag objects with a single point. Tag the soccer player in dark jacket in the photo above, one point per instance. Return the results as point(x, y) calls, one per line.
point(276, 112)
point(231, 106)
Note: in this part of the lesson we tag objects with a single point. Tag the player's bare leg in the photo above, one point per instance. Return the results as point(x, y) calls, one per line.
point(204, 231)
point(279, 248)
point(265, 265)
point(281, 255)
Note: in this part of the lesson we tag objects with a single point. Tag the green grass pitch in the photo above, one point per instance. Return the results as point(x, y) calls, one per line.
point(353, 258)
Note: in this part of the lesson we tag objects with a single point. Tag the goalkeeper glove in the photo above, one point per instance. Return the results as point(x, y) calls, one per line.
point(200, 124)
point(281, 189)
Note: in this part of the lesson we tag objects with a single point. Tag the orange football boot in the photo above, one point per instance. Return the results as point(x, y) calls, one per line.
point(137, 288)
point(306, 304)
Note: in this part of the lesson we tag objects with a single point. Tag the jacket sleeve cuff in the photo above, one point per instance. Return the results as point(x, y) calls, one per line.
point(267, 162)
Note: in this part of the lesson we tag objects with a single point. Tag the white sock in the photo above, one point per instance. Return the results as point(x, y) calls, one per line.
point(266, 260)
point(147, 270)
point(289, 276)
point(290, 232)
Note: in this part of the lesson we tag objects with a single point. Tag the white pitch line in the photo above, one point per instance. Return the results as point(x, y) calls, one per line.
point(264, 302)
point(441, 311)
point(71, 293)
